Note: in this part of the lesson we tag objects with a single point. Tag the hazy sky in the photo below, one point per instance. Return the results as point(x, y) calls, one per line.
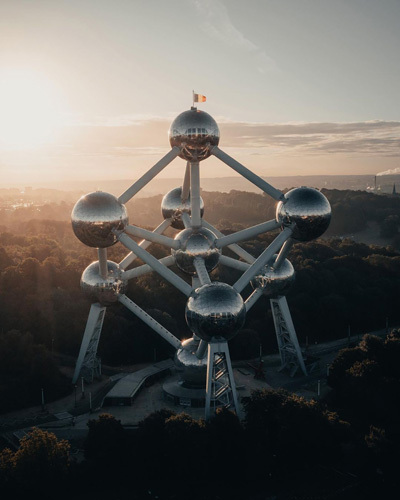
point(298, 86)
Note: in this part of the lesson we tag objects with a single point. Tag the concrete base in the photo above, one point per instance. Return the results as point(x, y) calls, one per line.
point(177, 393)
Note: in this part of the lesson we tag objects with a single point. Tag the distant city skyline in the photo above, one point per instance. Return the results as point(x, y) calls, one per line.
point(300, 87)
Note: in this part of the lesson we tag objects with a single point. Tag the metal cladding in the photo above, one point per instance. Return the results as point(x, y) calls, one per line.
point(192, 370)
point(275, 282)
point(215, 310)
point(105, 290)
point(196, 133)
point(95, 216)
point(194, 243)
point(172, 207)
point(309, 209)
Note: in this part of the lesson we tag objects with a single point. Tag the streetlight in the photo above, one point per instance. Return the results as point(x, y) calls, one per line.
point(43, 408)
point(83, 388)
point(75, 387)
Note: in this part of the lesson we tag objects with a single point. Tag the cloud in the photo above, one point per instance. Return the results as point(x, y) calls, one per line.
point(218, 25)
point(394, 171)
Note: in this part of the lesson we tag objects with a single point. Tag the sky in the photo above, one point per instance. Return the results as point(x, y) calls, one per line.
point(89, 88)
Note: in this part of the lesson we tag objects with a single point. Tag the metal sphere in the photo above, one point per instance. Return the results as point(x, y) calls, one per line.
point(105, 290)
point(196, 243)
point(275, 282)
point(196, 132)
point(215, 310)
point(95, 216)
point(172, 207)
point(309, 209)
point(192, 370)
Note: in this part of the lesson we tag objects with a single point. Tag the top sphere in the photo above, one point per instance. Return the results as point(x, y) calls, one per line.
point(95, 216)
point(309, 209)
point(196, 132)
point(172, 207)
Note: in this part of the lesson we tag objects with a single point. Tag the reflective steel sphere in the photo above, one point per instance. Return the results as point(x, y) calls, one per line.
point(215, 310)
point(196, 243)
point(105, 290)
point(173, 207)
point(192, 370)
point(309, 209)
point(95, 216)
point(275, 282)
point(196, 132)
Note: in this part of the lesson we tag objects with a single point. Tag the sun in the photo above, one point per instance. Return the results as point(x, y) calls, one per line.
point(30, 110)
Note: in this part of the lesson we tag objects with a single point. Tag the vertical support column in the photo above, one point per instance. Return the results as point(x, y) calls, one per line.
point(288, 344)
point(103, 268)
point(220, 386)
point(186, 184)
point(195, 194)
point(88, 364)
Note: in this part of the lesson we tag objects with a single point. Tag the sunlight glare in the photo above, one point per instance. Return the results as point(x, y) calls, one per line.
point(30, 110)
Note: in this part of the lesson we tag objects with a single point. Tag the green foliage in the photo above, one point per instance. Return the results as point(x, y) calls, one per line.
point(40, 459)
point(366, 378)
point(105, 441)
point(26, 368)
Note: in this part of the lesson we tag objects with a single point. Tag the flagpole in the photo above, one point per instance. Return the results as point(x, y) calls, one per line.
point(193, 98)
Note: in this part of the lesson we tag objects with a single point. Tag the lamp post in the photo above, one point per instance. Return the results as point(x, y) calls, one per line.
point(83, 388)
point(43, 408)
point(75, 388)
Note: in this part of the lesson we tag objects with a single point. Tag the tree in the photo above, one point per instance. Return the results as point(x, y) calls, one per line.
point(106, 440)
point(40, 462)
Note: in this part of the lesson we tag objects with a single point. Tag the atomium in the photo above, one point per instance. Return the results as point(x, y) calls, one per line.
point(215, 310)
point(309, 209)
point(96, 216)
point(172, 207)
point(104, 289)
point(196, 243)
point(195, 132)
point(275, 282)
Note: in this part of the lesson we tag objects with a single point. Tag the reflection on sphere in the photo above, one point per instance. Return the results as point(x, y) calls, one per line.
point(105, 290)
point(192, 369)
point(275, 282)
point(196, 132)
point(215, 310)
point(194, 243)
point(172, 207)
point(95, 216)
point(309, 209)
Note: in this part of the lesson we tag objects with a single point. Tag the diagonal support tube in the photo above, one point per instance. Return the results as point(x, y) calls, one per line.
point(201, 271)
point(149, 175)
point(248, 233)
point(287, 246)
point(241, 252)
point(247, 174)
point(127, 261)
point(140, 270)
point(262, 259)
point(152, 323)
point(139, 232)
point(163, 271)
point(252, 299)
point(234, 263)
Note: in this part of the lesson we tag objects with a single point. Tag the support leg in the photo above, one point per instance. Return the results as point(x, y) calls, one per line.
point(88, 364)
point(220, 387)
point(288, 344)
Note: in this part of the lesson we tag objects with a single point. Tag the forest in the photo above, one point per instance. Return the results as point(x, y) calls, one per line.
point(339, 284)
point(286, 447)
